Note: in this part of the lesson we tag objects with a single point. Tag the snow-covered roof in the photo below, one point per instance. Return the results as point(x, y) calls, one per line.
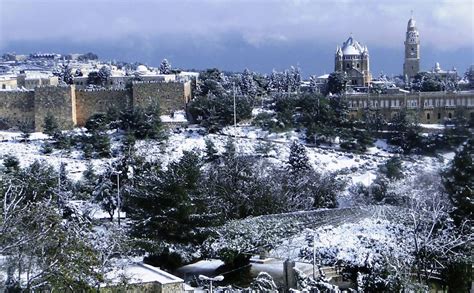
point(189, 73)
point(143, 273)
point(38, 74)
point(324, 76)
point(7, 77)
point(142, 69)
point(352, 47)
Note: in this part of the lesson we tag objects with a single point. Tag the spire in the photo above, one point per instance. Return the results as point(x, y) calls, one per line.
point(411, 22)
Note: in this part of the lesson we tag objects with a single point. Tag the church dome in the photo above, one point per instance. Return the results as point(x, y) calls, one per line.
point(141, 69)
point(351, 47)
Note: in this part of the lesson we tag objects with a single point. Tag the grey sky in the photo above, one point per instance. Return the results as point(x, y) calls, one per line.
point(150, 28)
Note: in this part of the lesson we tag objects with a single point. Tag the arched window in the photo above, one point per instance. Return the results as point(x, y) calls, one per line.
point(450, 115)
point(427, 116)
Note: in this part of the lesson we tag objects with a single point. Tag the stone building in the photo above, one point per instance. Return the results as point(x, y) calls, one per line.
point(411, 66)
point(353, 59)
point(425, 107)
point(444, 74)
point(30, 80)
point(8, 82)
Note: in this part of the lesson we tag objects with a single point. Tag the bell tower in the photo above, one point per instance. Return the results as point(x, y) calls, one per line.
point(411, 66)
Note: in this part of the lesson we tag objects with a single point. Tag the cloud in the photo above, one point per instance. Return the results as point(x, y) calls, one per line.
point(443, 25)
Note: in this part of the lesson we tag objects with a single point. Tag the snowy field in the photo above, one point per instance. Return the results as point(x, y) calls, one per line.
point(356, 168)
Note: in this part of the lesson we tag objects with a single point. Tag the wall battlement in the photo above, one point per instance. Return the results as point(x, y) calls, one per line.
point(72, 107)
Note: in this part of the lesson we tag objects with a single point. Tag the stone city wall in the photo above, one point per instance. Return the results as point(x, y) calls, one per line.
point(57, 100)
point(172, 96)
point(73, 107)
point(90, 102)
point(17, 107)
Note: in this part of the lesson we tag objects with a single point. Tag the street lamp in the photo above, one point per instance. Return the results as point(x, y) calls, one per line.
point(215, 279)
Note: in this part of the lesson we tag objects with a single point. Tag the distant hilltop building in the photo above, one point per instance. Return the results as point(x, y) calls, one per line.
point(411, 66)
point(444, 74)
point(353, 59)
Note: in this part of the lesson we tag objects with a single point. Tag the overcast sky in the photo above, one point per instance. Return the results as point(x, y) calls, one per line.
point(233, 35)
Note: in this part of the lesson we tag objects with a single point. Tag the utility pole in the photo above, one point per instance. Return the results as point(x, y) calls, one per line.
point(314, 256)
point(235, 111)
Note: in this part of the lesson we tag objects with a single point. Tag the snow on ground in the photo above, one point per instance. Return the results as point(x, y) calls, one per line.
point(176, 117)
point(358, 243)
point(358, 168)
point(433, 126)
point(248, 137)
point(28, 152)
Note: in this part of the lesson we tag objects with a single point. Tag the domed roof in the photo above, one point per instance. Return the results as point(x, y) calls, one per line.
point(351, 47)
point(411, 24)
point(142, 69)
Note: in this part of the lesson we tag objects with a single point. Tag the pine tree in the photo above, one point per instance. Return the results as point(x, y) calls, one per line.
point(248, 85)
point(166, 200)
point(11, 163)
point(392, 169)
point(337, 83)
point(298, 160)
point(459, 183)
point(101, 144)
point(25, 129)
point(50, 125)
point(103, 75)
point(165, 67)
point(229, 149)
point(105, 193)
point(211, 151)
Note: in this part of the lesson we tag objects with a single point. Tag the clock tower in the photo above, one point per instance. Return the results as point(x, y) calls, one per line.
point(411, 66)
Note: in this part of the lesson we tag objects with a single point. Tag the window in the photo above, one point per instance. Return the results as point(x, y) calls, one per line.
point(358, 65)
point(439, 116)
point(4, 86)
point(427, 116)
point(347, 65)
point(450, 115)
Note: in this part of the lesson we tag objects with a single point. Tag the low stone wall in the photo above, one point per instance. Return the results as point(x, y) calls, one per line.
point(17, 107)
point(89, 102)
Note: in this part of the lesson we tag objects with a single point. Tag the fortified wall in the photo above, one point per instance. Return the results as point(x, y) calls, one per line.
point(17, 107)
point(426, 107)
point(73, 107)
point(60, 101)
point(172, 96)
point(89, 102)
